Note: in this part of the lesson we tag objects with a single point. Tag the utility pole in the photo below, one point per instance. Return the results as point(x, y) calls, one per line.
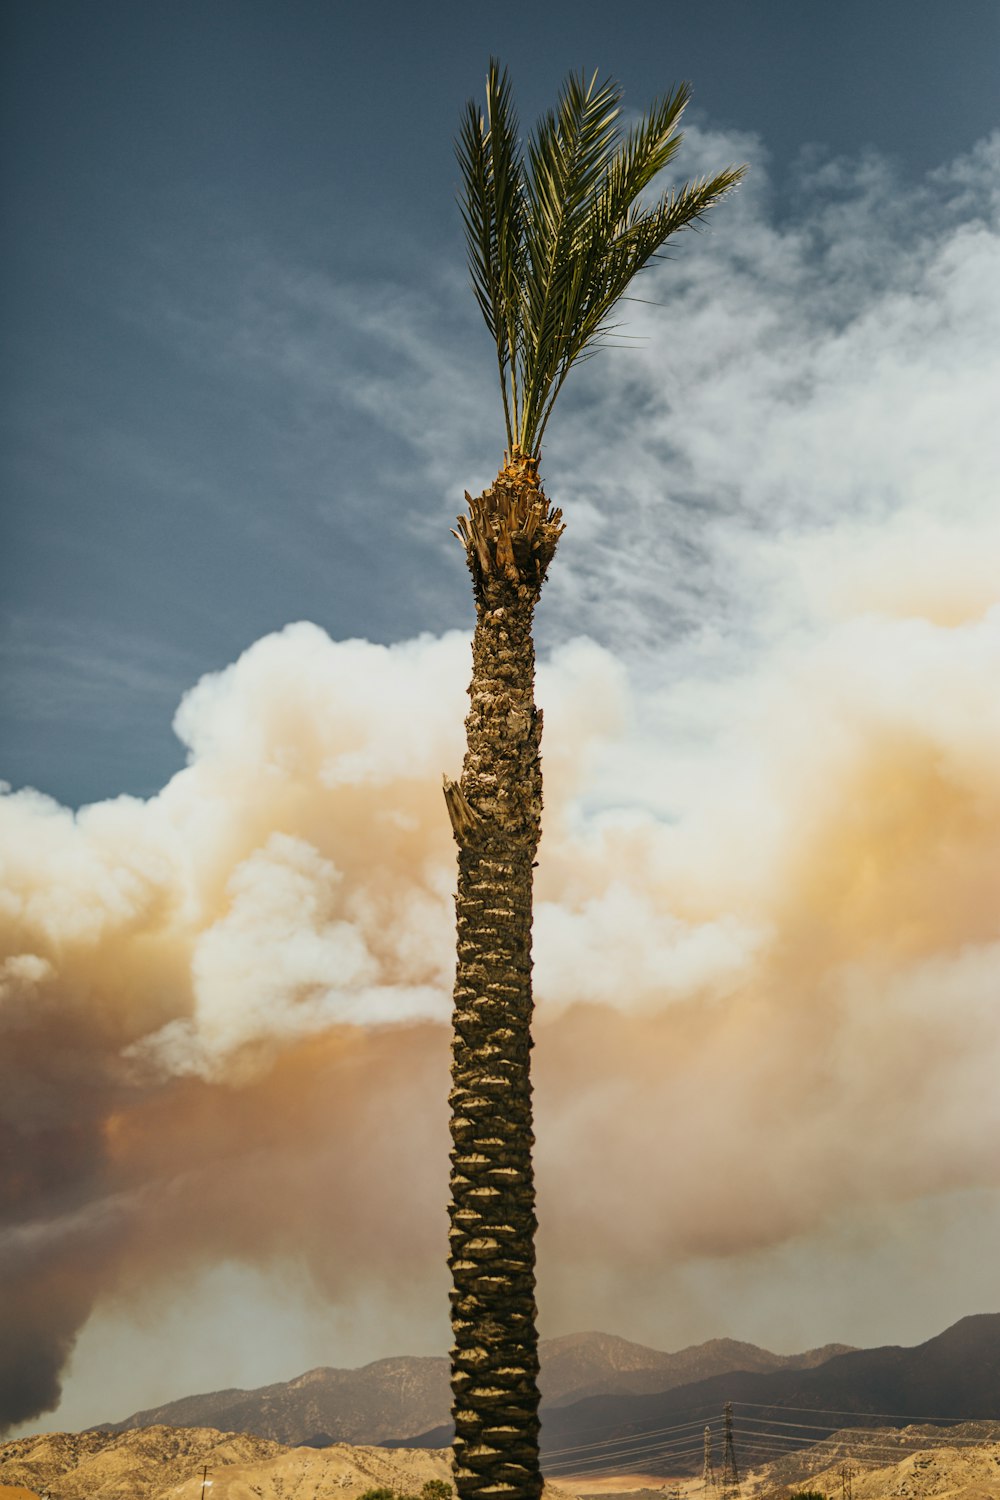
point(846, 1476)
point(729, 1486)
point(206, 1483)
point(709, 1473)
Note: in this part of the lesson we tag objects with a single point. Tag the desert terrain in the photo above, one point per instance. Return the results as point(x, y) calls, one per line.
point(155, 1463)
point(151, 1462)
point(956, 1473)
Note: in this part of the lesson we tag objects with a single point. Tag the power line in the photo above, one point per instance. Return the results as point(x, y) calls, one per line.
point(629, 1437)
point(675, 1445)
point(910, 1445)
point(729, 1484)
point(709, 1470)
point(603, 1466)
point(798, 1456)
point(645, 1444)
point(805, 1426)
point(846, 1482)
point(647, 1452)
point(604, 1443)
point(655, 1450)
point(873, 1455)
point(832, 1411)
point(782, 1440)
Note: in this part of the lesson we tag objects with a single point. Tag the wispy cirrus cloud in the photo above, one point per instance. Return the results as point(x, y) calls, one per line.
point(827, 376)
point(784, 381)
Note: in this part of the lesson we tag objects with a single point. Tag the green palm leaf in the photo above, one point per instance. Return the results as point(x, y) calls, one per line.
point(552, 248)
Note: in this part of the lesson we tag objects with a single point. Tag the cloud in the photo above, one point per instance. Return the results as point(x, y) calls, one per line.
point(780, 375)
point(767, 944)
point(228, 1004)
point(830, 373)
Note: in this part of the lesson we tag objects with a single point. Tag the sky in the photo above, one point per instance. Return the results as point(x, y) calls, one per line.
point(245, 386)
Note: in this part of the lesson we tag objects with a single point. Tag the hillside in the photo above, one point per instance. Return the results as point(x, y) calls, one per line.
point(78, 1465)
point(157, 1462)
point(915, 1461)
point(390, 1398)
point(955, 1473)
point(884, 1461)
point(383, 1399)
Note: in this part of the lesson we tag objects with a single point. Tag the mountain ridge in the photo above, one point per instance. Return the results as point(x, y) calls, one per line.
point(953, 1376)
point(378, 1402)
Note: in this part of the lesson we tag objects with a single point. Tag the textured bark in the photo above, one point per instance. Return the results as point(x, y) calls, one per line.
point(510, 535)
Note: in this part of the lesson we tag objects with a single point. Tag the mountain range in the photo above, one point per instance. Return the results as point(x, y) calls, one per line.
point(609, 1402)
point(389, 1398)
point(955, 1375)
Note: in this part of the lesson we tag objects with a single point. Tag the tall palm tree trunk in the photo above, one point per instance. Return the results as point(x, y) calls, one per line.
point(554, 241)
point(510, 535)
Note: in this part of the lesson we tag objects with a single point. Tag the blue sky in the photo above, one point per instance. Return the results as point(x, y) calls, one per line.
point(165, 506)
point(245, 387)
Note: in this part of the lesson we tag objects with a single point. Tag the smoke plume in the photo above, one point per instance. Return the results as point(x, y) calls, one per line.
point(767, 961)
point(767, 935)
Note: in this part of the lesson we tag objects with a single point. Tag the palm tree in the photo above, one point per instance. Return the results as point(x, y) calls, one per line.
point(553, 243)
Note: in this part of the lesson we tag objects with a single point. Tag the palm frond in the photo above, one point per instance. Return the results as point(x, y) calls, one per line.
point(553, 248)
point(489, 155)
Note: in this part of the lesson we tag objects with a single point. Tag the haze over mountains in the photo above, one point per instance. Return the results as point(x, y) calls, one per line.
point(390, 1398)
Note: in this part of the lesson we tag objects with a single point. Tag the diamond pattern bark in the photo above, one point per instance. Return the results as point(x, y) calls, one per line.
point(510, 536)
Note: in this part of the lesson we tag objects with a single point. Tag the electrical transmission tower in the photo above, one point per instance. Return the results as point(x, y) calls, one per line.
point(709, 1466)
point(729, 1485)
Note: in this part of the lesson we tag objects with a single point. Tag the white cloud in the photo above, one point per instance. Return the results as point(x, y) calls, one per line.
point(801, 381)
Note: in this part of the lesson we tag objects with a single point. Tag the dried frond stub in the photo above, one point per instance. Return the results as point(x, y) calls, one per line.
point(510, 530)
point(465, 821)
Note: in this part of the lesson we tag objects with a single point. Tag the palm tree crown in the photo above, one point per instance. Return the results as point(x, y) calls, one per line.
point(554, 243)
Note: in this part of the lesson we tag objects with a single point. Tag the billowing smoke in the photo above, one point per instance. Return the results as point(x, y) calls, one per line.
point(767, 962)
point(223, 1008)
point(768, 903)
